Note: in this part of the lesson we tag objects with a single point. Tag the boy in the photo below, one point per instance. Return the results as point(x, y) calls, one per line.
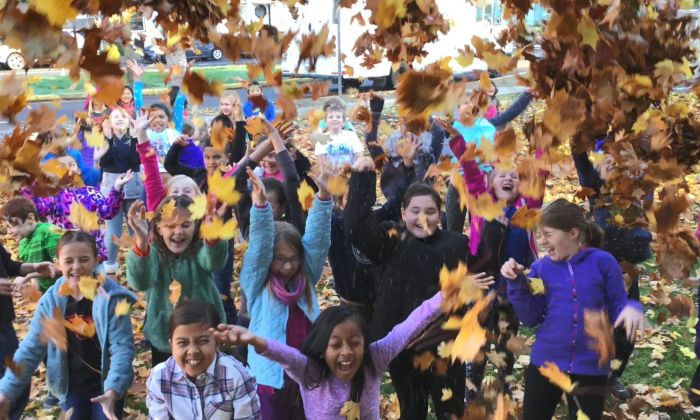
point(342, 146)
point(257, 104)
point(37, 240)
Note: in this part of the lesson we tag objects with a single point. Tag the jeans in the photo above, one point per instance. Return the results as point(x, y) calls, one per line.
point(84, 409)
point(115, 228)
point(8, 346)
point(222, 280)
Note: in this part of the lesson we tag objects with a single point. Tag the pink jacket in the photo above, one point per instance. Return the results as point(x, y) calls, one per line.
point(155, 189)
point(477, 183)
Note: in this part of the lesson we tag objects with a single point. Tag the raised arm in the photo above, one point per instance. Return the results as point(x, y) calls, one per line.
point(136, 71)
point(474, 178)
point(588, 176)
point(376, 105)
point(142, 267)
point(243, 206)
point(317, 238)
point(529, 308)
point(153, 183)
point(172, 162)
point(260, 249)
point(513, 111)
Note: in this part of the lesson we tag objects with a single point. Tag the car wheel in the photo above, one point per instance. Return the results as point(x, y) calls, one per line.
point(15, 61)
point(217, 54)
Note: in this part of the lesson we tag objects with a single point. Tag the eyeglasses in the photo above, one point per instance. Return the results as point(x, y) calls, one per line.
point(281, 260)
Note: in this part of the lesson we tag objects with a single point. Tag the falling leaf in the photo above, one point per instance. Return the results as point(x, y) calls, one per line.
point(83, 219)
point(537, 286)
point(337, 185)
point(122, 308)
point(458, 288)
point(56, 11)
point(109, 89)
point(218, 229)
point(580, 415)
point(551, 371)
point(392, 233)
point(588, 30)
point(424, 360)
point(79, 326)
point(95, 138)
point(484, 206)
point(175, 291)
point(198, 207)
point(526, 218)
point(52, 330)
point(66, 289)
point(196, 86)
point(220, 135)
point(113, 54)
point(351, 410)
point(125, 241)
point(446, 394)
point(471, 336)
point(30, 292)
point(597, 327)
point(255, 126)
point(224, 189)
point(314, 117)
point(88, 286)
point(444, 349)
point(615, 364)
point(465, 57)
point(306, 195)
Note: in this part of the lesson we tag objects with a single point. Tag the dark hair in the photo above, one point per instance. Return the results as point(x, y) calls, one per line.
point(188, 128)
point(119, 102)
point(418, 189)
point(162, 107)
point(77, 236)
point(315, 345)
point(276, 186)
point(20, 208)
point(182, 202)
point(333, 104)
point(564, 215)
point(225, 120)
point(251, 84)
point(193, 311)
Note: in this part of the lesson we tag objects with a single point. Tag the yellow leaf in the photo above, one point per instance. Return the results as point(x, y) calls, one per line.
point(337, 185)
point(446, 394)
point(537, 286)
point(526, 218)
point(424, 360)
point(465, 57)
point(458, 288)
point(255, 126)
point(122, 307)
point(580, 415)
point(83, 219)
point(695, 391)
point(217, 229)
point(483, 206)
point(53, 330)
point(66, 289)
point(79, 326)
point(54, 167)
point(314, 117)
point(615, 364)
point(88, 286)
point(551, 371)
point(351, 410)
point(444, 349)
point(457, 182)
point(306, 195)
point(113, 54)
point(224, 189)
point(57, 12)
point(471, 336)
point(588, 30)
point(198, 208)
point(95, 138)
point(175, 291)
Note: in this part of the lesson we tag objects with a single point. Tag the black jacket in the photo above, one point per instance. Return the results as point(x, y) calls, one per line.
point(121, 156)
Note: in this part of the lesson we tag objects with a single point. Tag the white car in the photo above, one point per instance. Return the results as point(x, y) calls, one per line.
point(11, 58)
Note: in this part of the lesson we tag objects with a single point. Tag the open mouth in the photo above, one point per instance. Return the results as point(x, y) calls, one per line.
point(177, 241)
point(193, 363)
point(507, 187)
point(345, 366)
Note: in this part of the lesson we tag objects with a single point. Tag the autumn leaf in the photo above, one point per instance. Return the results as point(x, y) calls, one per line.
point(424, 360)
point(580, 415)
point(83, 219)
point(224, 189)
point(526, 218)
point(79, 326)
point(220, 135)
point(551, 371)
point(458, 288)
point(255, 126)
point(88, 286)
point(471, 336)
point(337, 185)
point(306, 195)
point(57, 12)
point(537, 286)
point(122, 308)
point(198, 208)
point(465, 57)
point(66, 289)
point(218, 229)
point(615, 364)
point(588, 30)
point(175, 292)
point(109, 88)
point(446, 394)
point(457, 181)
point(351, 410)
point(52, 330)
point(484, 206)
point(30, 292)
point(597, 327)
point(196, 86)
point(95, 138)
point(314, 117)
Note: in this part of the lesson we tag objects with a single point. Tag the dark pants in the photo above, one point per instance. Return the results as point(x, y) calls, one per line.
point(158, 356)
point(83, 409)
point(282, 404)
point(222, 280)
point(542, 397)
point(624, 347)
point(8, 346)
point(413, 387)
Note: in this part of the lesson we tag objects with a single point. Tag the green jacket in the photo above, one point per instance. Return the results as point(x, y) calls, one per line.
point(40, 246)
point(195, 275)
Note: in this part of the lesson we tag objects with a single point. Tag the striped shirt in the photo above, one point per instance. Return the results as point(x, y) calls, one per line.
point(40, 246)
point(225, 391)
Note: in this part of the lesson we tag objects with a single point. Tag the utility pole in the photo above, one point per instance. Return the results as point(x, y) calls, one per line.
point(336, 17)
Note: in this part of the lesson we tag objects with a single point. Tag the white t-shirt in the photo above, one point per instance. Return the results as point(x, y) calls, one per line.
point(341, 149)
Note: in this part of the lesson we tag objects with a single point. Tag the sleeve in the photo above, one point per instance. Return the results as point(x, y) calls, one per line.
point(364, 229)
point(29, 354)
point(291, 185)
point(51, 244)
point(155, 190)
point(142, 272)
point(45, 206)
point(270, 113)
point(179, 111)
point(239, 143)
point(172, 162)
point(438, 138)
point(317, 238)
point(138, 97)
point(122, 350)
point(491, 246)
point(513, 111)
point(615, 294)
point(474, 178)
point(155, 401)
point(383, 351)
point(374, 148)
point(529, 308)
point(245, 203)
point(12, 267)
point(110, 206)
point(212, 257)
point(292, 360)
point(246, 405)
point(391, 209)
point(259, 255)
point(107, 160)
point(320, 149)
point(248, 109)
point(587, 174)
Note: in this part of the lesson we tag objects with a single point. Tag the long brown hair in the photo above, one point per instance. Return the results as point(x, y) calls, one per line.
point(182, 202)
point(286, 233)
point(564, 215)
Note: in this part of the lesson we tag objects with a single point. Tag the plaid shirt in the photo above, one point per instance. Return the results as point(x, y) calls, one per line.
point(226, 391)
point(40, 246)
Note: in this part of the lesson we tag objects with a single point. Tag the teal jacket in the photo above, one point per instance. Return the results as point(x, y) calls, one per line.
point(114, 333)
point(196, 278)
point(268, 316)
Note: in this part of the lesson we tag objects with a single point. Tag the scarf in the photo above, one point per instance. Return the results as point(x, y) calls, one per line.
point(288, 297)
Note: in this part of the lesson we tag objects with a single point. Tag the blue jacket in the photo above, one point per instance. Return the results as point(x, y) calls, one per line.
point(114, 333)
point(270, 114)
point(268, 316)
point(591, 279)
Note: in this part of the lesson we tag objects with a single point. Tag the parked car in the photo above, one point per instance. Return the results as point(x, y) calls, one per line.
point(201, 51)
point(11, 58)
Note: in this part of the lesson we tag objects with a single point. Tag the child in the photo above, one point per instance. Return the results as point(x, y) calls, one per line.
point(407, 260)
point(344, 146)
point(37, 240)
point(121, 157)
point(94, 112)
point(91, 375)
point(197, 377)
point(230, 106)
point(257, 105)
point(278, 278)
point(338, 362)
point(126, 101)
point(576, 276)
point(175, 254)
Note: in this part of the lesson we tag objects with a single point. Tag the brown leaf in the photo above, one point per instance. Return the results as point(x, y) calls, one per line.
point(196, 86)
point(52, 330)
point(598, 328)
point(220, 135)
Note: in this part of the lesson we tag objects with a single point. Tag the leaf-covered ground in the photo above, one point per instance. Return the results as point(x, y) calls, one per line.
point(659, 371)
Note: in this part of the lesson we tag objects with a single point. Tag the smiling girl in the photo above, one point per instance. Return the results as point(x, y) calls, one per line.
point(90, 378)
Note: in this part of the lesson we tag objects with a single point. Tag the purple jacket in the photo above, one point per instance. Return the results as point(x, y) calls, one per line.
point(591, 279)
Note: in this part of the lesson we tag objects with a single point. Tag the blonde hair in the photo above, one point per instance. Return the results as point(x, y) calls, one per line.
point(183, 178)
point(232, 96)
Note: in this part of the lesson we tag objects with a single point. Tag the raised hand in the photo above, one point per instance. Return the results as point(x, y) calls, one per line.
point(482, 280)
point(258, 194)
point(409, 149)
point(363, 164)
point(234, 335)
point(136, 218)
point(135, 68)
point(445, 125)
point(107, 128)
point(123, 179)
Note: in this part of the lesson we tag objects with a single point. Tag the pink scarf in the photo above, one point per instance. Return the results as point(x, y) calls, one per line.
point(288, 297)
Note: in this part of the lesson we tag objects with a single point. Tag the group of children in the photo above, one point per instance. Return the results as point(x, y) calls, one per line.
point(278, 356)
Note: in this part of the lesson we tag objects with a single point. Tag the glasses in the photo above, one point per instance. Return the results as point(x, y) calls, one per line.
point(281, 260)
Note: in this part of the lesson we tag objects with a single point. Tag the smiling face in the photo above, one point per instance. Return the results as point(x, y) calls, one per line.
point(19, 228)
point(183, 186)
point(421, 216)
point(335, 120)
point(194, 349)
point(269, 163)
point(346, 350)
point(254, 90)
point(607, 166)
point(213, 160)
point(160, 120)
point(560, 244)
point(119, 120)
point(127, 96)
point(76, 259)
point(286, 262)
point(177, 231)
point(505, 185)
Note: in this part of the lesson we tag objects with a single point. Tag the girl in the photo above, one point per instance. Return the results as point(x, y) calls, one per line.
point(94, 112)
point(407, 260)
point(92, 376)
point(126, 101)
point(121, 157)
point(338, 362)
point(577, 276)
point(198, 381)
point(176, 254)
point(278, 278)
point(230, 106)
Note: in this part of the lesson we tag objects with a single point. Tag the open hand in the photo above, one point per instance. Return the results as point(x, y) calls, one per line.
point(633, 320)
point(258, 195)
point(482, 280)
point(136, 219)
point(107, 402)
point(511, 269)
point(135, 68)
point(232, 335)
point(447, 126)
point(123, 179)
point(363, 164)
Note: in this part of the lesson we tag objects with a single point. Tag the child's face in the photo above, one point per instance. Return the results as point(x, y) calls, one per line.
point(560, 244)
point(213, 160)
point(345, 351)
point(335, 120)
point(127, 96)
point(119, 120)
point(183, 187)
point(98, 106)
point(160, 120)
point(254, 90)
point(269, 163)
point(607, 166)
point(194, 349)
point(286, 262)
point(421, 216)
point(177, 231)
point(505, 185)
point(75, 260)
point(21, 228)
point(228, 105)
point(278, 209)
point(69, 163)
